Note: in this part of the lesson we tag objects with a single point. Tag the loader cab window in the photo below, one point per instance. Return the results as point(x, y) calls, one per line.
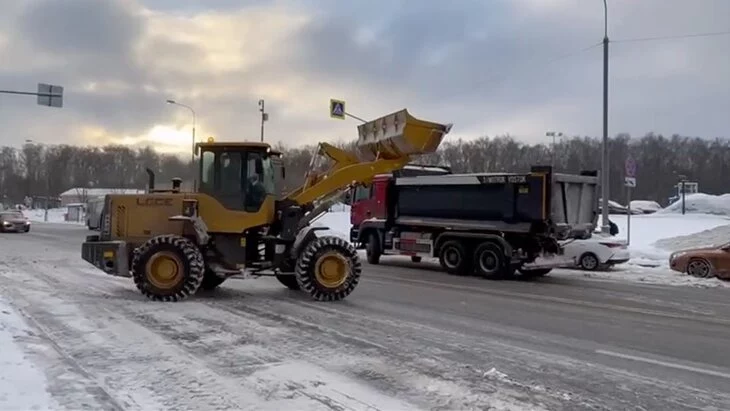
point(239, 180)
point(260, 180)
point(207, 178)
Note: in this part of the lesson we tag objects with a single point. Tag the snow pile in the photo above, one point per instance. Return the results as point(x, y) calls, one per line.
point(338, 221)
point(700, 203)
point(22, 385)
point(713, 237)
point(653, 234)
point(55, 215)
point(645, 206)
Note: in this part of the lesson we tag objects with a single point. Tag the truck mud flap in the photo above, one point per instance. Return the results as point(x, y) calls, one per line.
point(109, 256)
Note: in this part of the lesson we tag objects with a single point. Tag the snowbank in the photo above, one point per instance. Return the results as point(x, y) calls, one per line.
point(22, 385)
point(55, 215)
point(700, 203)
point(655, 236)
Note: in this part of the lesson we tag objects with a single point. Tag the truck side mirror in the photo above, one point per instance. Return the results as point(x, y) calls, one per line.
point(259, 166)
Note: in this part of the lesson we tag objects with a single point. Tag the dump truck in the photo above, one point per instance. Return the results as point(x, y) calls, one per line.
point(238, 222)
point(489, 224)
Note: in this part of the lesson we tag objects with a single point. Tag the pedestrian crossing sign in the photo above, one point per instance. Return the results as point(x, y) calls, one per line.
point(337, 109)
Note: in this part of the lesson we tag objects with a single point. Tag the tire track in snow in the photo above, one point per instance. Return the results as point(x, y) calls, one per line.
point(217, 390)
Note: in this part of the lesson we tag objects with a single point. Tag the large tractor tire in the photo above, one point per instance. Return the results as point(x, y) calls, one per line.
point(328, 269)
point(168, 268)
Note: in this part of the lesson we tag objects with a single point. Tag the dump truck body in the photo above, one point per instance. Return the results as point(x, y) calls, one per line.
point(523, 213)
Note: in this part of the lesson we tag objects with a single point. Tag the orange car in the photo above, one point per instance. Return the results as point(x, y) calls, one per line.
point(703, 262)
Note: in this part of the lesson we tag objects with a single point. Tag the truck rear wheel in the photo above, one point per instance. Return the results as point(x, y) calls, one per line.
point(372, 248)
point(328, 269)
point(168, 268)
point(453, 258)
point(490, 261)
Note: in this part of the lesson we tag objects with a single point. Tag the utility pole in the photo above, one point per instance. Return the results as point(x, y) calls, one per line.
point(264, 118)
point(192, 153)
point(604, 154)
point(552, 156)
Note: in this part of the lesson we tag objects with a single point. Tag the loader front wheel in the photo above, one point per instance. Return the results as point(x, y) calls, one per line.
point(328, 269)
point(168, 268)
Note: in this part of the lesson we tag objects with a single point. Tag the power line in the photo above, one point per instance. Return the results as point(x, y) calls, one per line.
point(680, 36)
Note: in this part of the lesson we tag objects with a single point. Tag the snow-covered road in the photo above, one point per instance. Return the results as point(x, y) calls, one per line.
point(406, 339)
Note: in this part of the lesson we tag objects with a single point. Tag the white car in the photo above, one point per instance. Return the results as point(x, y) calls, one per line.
point(599, 251)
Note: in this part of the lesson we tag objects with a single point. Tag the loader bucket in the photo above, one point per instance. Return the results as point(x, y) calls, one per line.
point(399, 135)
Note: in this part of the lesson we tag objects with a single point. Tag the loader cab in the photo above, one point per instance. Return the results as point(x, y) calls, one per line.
point(239, 175)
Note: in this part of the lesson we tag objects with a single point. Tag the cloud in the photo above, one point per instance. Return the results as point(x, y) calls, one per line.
point(489, 67)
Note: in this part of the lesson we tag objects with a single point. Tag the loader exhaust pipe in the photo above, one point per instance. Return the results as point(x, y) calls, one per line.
point(150, 179)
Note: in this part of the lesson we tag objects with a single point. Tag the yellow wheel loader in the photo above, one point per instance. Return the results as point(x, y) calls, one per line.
point(237, 222)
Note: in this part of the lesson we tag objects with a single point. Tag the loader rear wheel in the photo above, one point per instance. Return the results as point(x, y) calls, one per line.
point(328, 269)
point(168, 268)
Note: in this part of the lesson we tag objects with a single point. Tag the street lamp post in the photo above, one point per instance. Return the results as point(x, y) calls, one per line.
point(264, 118)
point(605, 227)
point(192, 154)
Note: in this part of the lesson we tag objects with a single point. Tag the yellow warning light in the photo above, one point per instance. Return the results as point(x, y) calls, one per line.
point(211, 139)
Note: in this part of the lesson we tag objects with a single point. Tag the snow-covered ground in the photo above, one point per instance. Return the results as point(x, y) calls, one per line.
point(22, 384)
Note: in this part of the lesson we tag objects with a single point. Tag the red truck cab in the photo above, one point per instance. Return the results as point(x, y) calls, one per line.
point(371, 201)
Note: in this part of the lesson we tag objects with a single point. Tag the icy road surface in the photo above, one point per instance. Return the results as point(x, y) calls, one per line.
point(407, 338)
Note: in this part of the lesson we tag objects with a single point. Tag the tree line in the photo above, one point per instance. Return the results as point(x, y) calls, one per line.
point(38, 170)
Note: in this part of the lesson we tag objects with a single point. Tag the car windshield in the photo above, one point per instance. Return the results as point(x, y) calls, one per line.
point(11, 214)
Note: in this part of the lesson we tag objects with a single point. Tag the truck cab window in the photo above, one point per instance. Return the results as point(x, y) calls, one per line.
point(362, 193)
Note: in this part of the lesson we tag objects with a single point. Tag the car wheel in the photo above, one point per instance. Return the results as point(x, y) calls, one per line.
point(589, 261)
point(700, 268)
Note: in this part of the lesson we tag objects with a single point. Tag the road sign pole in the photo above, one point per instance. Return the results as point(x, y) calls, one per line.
point(628, 217)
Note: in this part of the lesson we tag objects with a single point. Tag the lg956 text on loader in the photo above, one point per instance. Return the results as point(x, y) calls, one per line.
point(238, 221)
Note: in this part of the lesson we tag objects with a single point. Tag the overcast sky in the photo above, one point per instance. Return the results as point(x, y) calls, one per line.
point(488, 66)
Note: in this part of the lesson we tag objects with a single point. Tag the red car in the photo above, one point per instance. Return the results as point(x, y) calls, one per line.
point(14, 221)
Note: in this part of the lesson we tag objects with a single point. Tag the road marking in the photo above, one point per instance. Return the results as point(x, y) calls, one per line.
point(666, 364)
point(476, 289)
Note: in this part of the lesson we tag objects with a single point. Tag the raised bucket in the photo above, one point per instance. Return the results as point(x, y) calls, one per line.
point(399, 135)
